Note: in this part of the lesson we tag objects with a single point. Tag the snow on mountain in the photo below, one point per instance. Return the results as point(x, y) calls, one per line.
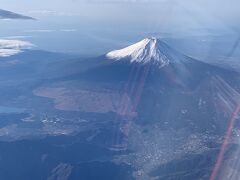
point(148, 50)
point(12, 47)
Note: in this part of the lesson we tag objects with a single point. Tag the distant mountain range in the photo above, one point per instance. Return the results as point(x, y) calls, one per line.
point(11, 15)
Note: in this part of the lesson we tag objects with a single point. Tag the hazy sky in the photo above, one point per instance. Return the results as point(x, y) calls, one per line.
point(202, 12)
point(78, 25)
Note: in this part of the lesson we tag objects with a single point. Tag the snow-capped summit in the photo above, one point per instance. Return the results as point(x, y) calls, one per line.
point(148, 50)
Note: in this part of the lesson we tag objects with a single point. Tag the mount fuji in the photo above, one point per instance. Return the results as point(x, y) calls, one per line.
point(149, 50)
point(147, 69)
point(159, 61)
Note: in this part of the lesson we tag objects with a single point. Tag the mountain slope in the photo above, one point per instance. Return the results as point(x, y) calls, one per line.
point(152, 56)
point(164, 107)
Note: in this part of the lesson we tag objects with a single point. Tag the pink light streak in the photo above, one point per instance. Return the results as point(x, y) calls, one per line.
point(225, 143)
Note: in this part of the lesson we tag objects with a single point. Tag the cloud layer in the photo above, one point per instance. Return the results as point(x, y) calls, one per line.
point(12, 47)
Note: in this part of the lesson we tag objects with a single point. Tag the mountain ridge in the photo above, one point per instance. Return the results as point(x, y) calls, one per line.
point(4, 14)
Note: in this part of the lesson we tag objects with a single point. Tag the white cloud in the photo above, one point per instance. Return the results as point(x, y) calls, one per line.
point(50, 30)
point(9, 52)
point(68, 30)
point(17, 37)
point(44, 12)
point(40, 31)
point(12, 47)
point(52, 13)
